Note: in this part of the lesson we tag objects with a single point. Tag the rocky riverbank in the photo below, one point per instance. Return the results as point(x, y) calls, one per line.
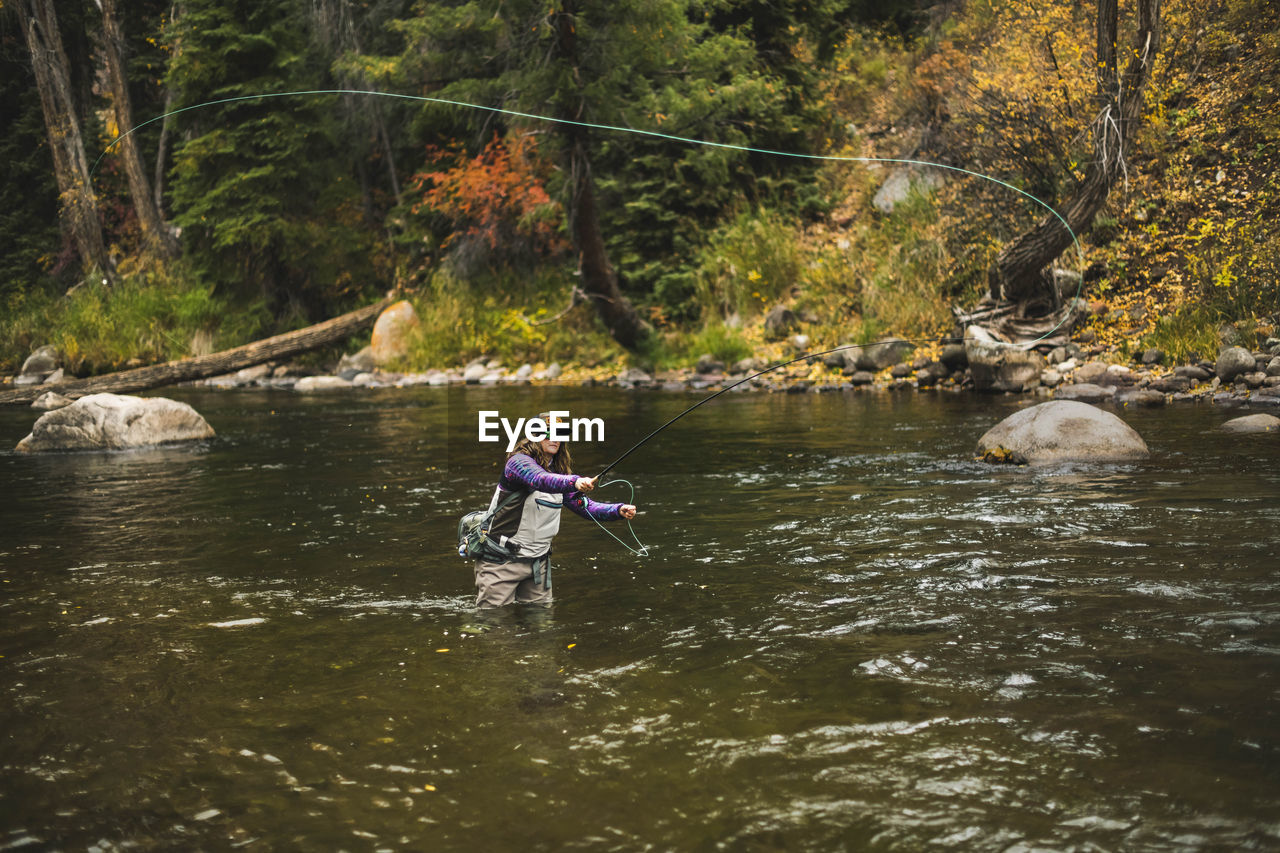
point(1236, 377)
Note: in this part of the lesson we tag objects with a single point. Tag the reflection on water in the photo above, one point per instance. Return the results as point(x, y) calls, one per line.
point(849, 635)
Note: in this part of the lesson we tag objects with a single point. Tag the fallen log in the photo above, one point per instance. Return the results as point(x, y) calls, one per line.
point(215, 364)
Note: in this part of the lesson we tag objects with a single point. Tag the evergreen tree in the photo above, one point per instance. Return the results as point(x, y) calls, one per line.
point(655, 65)
point(257, 184)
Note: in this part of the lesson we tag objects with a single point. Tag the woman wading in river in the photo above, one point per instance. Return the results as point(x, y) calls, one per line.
point(535, 485)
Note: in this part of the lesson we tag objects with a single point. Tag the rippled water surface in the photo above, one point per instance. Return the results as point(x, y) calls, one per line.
point(848, 635)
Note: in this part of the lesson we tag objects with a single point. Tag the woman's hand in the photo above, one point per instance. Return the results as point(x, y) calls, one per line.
point(627, 511)
point(585, 484)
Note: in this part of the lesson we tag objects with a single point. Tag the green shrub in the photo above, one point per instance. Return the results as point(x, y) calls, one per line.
point(492, 315)
point(149, 318)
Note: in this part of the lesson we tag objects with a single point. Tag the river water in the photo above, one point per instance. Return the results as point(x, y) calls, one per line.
point(847, 635)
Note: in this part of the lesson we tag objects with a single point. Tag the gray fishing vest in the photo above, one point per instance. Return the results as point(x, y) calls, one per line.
point(526, 527)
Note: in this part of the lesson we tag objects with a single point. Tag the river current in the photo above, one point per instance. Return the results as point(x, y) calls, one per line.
point(847, 635)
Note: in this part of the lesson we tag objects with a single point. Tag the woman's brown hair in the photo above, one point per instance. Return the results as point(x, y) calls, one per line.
point(561, 463)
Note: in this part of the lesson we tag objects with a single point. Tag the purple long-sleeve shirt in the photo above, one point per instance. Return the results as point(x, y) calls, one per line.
point(523, 472)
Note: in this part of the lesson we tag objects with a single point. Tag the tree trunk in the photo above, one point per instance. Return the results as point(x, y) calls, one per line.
point(598, 279)
point(1021, 273)
point(215, 364)
point(77, 204)
point(155, 233)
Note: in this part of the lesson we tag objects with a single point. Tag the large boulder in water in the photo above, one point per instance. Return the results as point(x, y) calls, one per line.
point(999, 366)
point(1253, 423)
point(115, 422)
point(1062, 431)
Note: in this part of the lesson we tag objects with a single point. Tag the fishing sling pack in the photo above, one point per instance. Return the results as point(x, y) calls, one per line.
point(473, 532)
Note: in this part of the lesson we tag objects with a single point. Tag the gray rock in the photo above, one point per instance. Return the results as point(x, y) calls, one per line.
point(1232, 362)
point(321, 383)
point(1273, 367)
point(1057, 355)
point(1139, 397)
point(954, 356)
point(42, 362)
point(1116, 375)
point(474, 373)
point(634, 376)
point(524, 372)
point(55, 377)
point(1084, 392)
point(1062, 431)
point(997, 366)
point(1272, 346)
point(28, 379)
point(780, 322)
point(708, 364)
point(1090, 372)
point(882, 354)
point(1253, 423)
point(1171, 384)
point(491, 377)
point(931, 374)
point(1253, 380)
point(900, 371)
point(1193, 372)
point(861, 377)
point(902, 182)
point(831, 359)
point(1051, 378)
point(50, 400)
point(115, 422)
point(554, 370)
point(361, 362)
point(253, 374)
point(1153, 356)
point(745, 365)
point(800, 343)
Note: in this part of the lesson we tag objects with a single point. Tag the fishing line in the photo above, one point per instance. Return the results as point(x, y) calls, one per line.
point(643, 548)
point(656, 135)
point(688, 140)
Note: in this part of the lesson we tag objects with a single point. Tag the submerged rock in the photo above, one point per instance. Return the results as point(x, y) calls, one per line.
point(1139, 397)
point(115, 422)
point(1084, 392)
point(1062, 431)
point(1253, 423)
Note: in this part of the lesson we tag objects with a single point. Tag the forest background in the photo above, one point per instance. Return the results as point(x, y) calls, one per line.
point(257, 215)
